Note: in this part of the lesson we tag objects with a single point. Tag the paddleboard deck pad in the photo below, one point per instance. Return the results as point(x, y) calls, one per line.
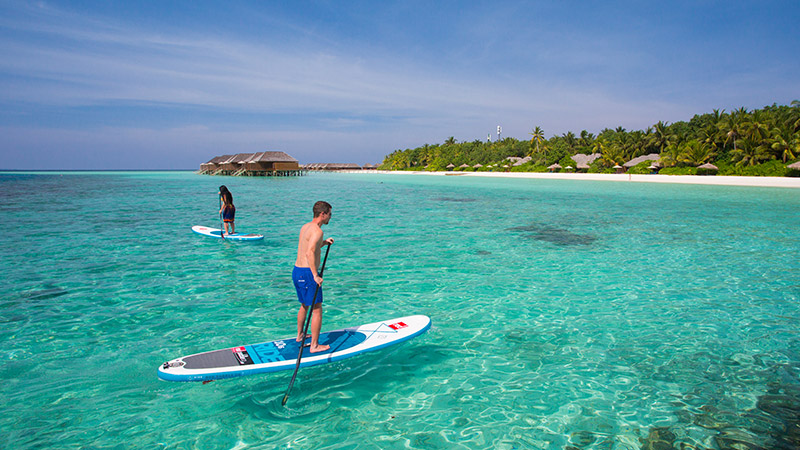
point(217, 233)
point(282, 354)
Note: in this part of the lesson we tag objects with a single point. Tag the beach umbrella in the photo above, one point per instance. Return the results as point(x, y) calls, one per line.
point(794, 166)
point(477, 166)
point(554, 167)
point(450, 166)
point(707, 169)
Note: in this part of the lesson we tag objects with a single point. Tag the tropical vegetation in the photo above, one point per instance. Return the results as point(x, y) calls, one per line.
point(759, 143)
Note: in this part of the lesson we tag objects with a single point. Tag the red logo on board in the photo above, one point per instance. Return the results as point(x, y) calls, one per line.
point(398, 325)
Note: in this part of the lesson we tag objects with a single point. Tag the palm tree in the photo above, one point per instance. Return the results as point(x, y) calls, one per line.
point(538, 136)
point(585, 141)
point(612, 153)
point(794, 116)
point(450, 141)
point(732, 125)
point(569, 139)
point(695, 153)
point(785, 143)
point(661, 136)
point(755, 127)
point(750, 153)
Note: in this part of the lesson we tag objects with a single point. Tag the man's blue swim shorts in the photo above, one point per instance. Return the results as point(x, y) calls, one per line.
point(306, 286)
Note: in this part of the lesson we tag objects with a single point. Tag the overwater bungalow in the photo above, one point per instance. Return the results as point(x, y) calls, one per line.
point(234, 165)
point(252, 164)
point(271, 164)
point(332, 166)
point(213, 165)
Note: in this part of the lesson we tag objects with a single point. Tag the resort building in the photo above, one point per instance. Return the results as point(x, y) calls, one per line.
point(651, 157)
point(261, 164)
point(583, 161)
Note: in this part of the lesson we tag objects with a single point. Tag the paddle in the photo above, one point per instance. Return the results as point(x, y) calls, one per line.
point(306, 323)
point(221, 222)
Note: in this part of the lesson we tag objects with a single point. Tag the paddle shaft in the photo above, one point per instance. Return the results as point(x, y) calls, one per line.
point(221, 221)
point(306, 323)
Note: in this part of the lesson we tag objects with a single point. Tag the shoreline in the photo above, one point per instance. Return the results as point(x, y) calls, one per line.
point(712, 180)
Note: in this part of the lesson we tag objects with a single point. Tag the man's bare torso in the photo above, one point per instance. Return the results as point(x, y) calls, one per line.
point(310, 239)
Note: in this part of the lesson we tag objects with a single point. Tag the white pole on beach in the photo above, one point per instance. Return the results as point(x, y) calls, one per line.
point(499, 130)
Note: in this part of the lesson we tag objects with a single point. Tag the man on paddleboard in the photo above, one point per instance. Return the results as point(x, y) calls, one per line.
point(305, 274)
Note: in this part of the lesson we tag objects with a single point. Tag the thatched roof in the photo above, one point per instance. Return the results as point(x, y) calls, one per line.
point(794, 166)
point(708, 166)
point(582, 161)
point(271, 157)
point(522, 161)
point(240, 158)
point(463, 166)
point(219, 159)
point(637, 160)
point(450, 166)
point(555, 166)
point(477, 166)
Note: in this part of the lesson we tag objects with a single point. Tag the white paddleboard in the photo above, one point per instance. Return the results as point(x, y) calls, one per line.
point(282, 354)
point(217, 233)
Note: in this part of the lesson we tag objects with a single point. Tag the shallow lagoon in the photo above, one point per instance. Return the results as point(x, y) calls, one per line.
point(565, 314)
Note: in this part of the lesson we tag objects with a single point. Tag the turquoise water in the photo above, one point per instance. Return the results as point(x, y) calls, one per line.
point(588, 315)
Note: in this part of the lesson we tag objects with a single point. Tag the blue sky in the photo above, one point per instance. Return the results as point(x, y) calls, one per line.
point(170, 84)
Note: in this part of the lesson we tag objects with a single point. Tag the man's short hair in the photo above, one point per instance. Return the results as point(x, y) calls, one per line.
point(321, 207)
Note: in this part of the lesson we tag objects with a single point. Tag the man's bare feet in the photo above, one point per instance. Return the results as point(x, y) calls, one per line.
point(300, 338)
point(320, 348)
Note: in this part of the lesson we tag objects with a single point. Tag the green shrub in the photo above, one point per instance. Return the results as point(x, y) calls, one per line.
point(643, 168)
point(774, 168)
point(678, 171)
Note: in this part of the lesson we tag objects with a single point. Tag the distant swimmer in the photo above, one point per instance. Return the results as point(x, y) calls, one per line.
point(305, 274)
point(226, 209)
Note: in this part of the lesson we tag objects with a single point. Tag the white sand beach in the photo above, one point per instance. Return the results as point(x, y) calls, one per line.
point(782, 182)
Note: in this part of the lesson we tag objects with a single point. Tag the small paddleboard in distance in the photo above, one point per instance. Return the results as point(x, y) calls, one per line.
point(282, 354)
point(217, 233)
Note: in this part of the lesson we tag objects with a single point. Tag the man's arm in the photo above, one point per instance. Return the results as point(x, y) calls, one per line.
point(311, 253)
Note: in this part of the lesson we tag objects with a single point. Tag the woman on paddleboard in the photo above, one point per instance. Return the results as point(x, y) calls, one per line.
point(226, 209)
